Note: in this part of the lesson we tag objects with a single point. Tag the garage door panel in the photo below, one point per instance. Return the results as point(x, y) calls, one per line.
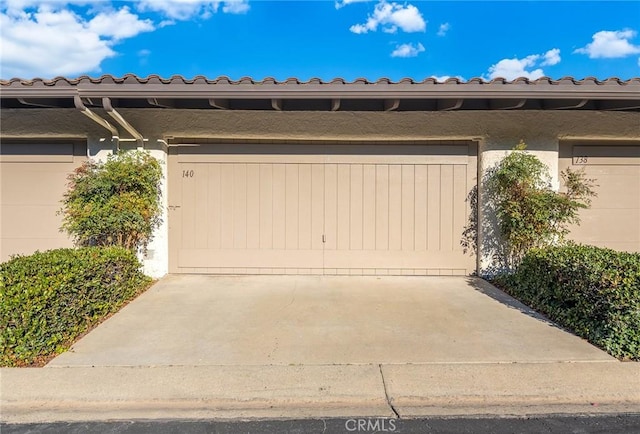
point(460, 208)
point(249, 258)
point(26, 152)
point(356, 203)
point(395, 207)
point(304, 207)
point(343, 209)
point(613, 220)
point(239, 187)
point(607, 155)
point(591, 229)
point(226, 205)
point(344, 213)
point(201, 217)
point(599, 171)
point(408, 207)
point(382, 207)
point(27, 246)
point(433, 208)
point(266, 206)
point(330, 206)
point(291, 206)
point(31, 221)
point(392, 260)
point(420, 207)
point(33, 180)
point(279, 206)
point(213, 207)
point(609, 187)
point(631, 247)
point(20, 181)
point(446, 208)
point(369, 206)
point(253, 206)
point(317, 205)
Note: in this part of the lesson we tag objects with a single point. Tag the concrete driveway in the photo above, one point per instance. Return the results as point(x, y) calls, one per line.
point(308, 320)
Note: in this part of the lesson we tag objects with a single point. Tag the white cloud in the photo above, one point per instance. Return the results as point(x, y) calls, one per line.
point(513, 68)
point(340, 4)
point(392, 16)
point(17, 7)
point(45, 38)
point(48, 42)
point(235, 6)
point(407, 50)
point(187, 9)
point(551, 57)
point(119, 24)
point(443, 78)
point(610, 44)
point(443, 29)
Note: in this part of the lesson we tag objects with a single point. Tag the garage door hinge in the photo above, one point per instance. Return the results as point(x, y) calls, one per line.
point(173, 207)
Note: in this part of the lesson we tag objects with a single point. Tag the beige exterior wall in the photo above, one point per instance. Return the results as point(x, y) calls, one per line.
point(496, 131)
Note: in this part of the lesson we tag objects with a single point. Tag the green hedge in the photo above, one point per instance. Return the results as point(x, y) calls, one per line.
point(592, 291)
point(49, 299)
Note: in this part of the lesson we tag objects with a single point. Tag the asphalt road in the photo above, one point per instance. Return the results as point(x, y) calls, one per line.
point(600, 424)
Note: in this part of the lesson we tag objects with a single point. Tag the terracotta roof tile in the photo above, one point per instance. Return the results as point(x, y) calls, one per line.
point(156, 79)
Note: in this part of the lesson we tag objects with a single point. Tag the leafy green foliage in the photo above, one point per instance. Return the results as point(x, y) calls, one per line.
point(116, 203)
point(48, 299)
point(529, 212)
point(592, 291)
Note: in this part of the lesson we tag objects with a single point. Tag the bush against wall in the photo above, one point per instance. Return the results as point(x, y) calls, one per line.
point(116, 203)
point(592, 291)
point(528, 212)
point(49, 299)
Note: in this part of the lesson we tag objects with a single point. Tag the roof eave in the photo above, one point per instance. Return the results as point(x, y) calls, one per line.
point(273, 92)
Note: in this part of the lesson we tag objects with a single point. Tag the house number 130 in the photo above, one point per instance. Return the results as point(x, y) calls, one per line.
point(187, 173)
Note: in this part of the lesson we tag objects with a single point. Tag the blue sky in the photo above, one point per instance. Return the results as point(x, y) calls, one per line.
point(323, 39)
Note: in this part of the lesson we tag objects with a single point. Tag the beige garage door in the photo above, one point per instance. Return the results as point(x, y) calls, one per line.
point(614, 217)
point(320, 209)
point(33, 178)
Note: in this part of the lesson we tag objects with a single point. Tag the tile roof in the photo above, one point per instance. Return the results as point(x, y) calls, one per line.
point(293, 94)
point(223, 80)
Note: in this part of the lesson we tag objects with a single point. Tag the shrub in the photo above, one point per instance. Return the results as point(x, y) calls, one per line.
point(529, 213)
point(49, 299)
point(116, 203)
point(592, 291)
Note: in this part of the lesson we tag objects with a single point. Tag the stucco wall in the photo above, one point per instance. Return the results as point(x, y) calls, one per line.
point(496, 131)
point(331, 125)
point(156, 258)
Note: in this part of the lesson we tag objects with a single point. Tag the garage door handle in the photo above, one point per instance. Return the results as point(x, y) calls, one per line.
point(324, 239)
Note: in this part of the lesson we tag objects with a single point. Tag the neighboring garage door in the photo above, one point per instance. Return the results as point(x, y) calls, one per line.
point(33, 178)
point(360, 209)
point(613, 220)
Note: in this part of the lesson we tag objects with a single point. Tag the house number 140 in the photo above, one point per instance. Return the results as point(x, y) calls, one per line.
point(187, 173)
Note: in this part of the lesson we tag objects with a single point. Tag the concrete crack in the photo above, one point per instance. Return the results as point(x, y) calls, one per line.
point(386, 393)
